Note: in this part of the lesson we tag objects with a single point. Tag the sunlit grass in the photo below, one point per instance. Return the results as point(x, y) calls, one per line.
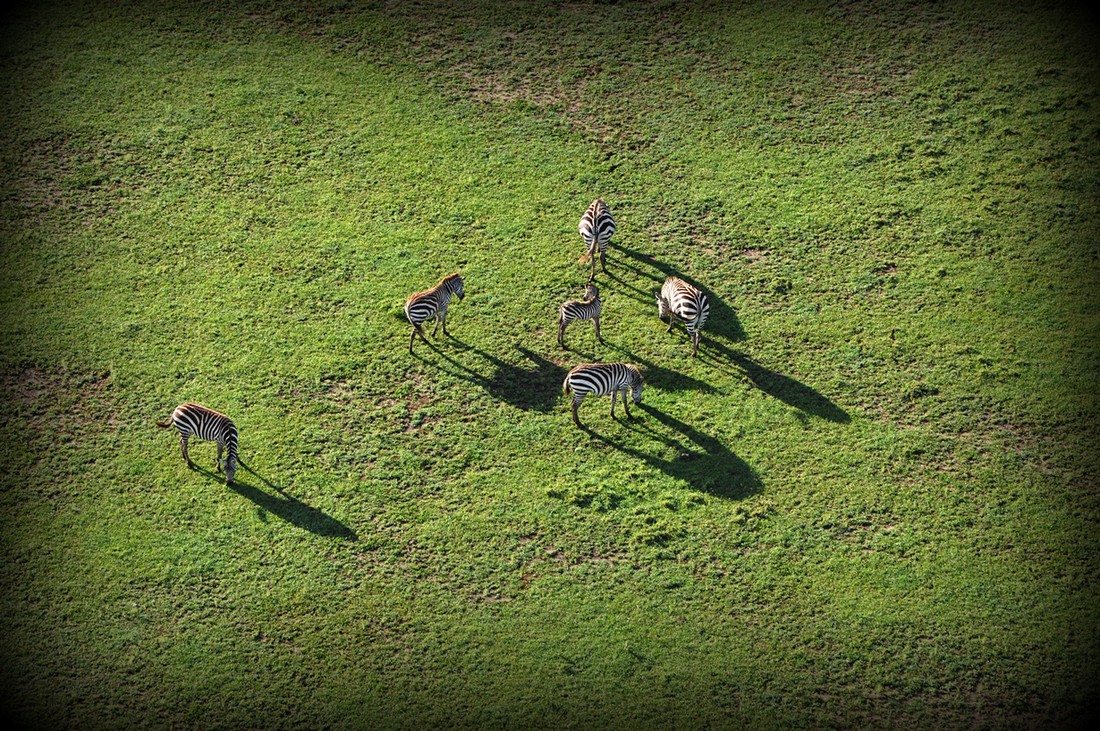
point(867, 503)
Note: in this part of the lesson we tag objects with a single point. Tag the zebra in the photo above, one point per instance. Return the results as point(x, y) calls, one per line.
point(682, 301)
point(589, 308)
point(603, 379)
point(196, 420)
point(596, 228)
point(432, 303)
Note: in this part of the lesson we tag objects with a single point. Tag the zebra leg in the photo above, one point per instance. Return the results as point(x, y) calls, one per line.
point(218, 461)
point(669, 323)
point(576, 421)
point(436, 326)
point(561, 332)
point(695, 344)
point(596, 322)
point(603, 261)
point(626, 406)
point(614, 398)
point(183, 448)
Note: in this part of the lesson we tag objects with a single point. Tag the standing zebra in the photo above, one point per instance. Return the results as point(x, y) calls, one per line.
point(432, 303)
point(682, 301)
point(195, 420)
point(596, 228)
point(589, 308)
point(603, 379)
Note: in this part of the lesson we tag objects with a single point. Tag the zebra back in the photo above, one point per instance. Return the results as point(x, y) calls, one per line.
point(192, 419)
point(424, 305)
point(597, 226)
point(603, 379)
point(587, 309)
point(684, 301)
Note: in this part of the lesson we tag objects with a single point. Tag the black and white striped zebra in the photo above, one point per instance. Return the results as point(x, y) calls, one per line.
point(590, 308)
point(603, 379)
point(196, 420)
point(679, 300)
point(432, 303)
point(596, 228)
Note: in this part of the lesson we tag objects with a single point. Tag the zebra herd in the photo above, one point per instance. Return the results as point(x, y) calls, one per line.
point(677, 300)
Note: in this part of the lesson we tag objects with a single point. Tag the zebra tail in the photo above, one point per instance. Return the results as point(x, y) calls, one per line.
point(565, 385)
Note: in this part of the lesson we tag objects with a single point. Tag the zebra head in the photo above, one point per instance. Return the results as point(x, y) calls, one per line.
point(663, 310)
point(455, 285)
point(590, 292)
point(636, 387)
point(230, 467)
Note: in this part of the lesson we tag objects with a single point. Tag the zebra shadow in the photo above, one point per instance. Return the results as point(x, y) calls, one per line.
point(788, 390)
point(287, 508)
point(700, 460)
point(532, 386)
point(723, 321)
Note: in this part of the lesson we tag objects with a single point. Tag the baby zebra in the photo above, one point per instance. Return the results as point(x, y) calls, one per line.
point(587, 309)
point(198, 421)
point(596, 228)
point(686, 303)
point(431, 303)
point(603, 379)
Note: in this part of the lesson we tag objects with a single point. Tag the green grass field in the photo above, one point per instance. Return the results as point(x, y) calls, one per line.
point(870, 502)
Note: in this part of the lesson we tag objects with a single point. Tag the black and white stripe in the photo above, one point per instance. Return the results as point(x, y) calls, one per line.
point(590, 308)
point(195, 420)
point(596, 228)
point(432, 303)
point(684, 302)
point(603, 379)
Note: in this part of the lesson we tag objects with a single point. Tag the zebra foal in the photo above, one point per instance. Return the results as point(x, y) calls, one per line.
point(603, 379)
point(432, 303)
point(596, 228)
point(681, 301)
point(590, 308)
point(196, 420)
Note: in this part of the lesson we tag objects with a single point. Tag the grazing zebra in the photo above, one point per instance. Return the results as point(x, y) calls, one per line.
point(587, 309)
point(603, 379)
point(596, 228)
point(682, 301)
point(432, 303)
point(195, 420)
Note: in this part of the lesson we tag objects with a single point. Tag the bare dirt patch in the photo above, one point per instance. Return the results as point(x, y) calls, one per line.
point(55, 400)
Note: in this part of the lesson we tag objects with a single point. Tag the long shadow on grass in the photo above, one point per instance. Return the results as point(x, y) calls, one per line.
point(786, 389)
point(722, 321)
point(701, 460)
point(288, 508)
point(534, 386)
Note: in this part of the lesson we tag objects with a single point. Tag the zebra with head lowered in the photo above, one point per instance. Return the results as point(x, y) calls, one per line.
point(590, 308)
point(596, 228)
point(684, 302)
point(196, 420)
point(432, 303)
point(603, 379)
